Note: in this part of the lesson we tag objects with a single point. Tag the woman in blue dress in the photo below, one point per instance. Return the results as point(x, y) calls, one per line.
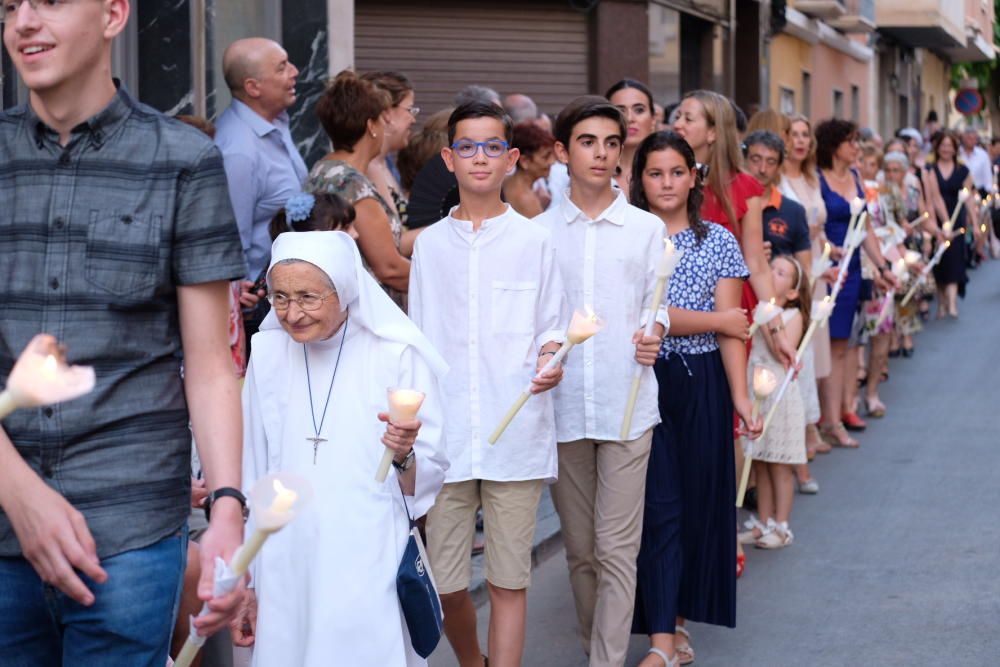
point(685, 564)
point(836, 151)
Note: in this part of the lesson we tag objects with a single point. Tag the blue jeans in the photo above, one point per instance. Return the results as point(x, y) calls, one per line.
point(129, 624)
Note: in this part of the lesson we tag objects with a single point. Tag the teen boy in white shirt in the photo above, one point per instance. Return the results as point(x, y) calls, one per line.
point(485, 289)
point(607, 252)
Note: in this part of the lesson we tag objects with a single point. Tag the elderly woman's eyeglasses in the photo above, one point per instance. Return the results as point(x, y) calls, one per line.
point(306, 302)
point(44, 8)
point(492, 148)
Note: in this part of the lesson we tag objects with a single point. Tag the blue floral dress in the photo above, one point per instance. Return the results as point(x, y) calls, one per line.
point(687, 559)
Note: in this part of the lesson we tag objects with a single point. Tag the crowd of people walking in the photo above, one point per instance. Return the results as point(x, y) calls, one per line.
point(458, 253)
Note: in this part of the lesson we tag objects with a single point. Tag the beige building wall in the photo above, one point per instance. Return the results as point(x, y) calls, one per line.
point(934, 83)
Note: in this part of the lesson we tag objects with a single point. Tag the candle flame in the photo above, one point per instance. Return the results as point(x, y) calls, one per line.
point(50, 365)
point(284, 498)
point(764, 381)
point(925, 215)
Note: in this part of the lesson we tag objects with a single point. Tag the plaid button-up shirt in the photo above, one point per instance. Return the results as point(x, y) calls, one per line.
point(95, 238)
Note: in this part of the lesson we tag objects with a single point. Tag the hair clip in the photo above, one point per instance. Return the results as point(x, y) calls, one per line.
point(702, 170)
point(299, 207)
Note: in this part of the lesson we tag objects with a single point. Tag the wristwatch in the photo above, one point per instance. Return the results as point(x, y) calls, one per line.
point(223, 492)
point(405, 464)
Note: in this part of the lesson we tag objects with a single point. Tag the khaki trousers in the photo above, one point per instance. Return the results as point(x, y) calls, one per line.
point(599, 497)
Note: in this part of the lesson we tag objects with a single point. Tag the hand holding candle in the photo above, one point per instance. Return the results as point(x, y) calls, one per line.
point(41, 377)
point(899, 270)
point(581, 328)
point(403, 406)
point(274, 500)
point(926, 270)
point(764, 384)
point(821, 264)
point(963, 196)
point(764, 312)
point(664, 269)
point(820, 313)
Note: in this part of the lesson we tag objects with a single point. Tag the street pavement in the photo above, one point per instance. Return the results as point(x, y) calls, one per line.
point(895, 562)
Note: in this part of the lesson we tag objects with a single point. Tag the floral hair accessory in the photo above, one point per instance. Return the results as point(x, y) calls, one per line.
point(299, 207)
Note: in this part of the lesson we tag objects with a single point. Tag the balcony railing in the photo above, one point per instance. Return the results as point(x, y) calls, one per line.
point(821, 9)
point(932, 24)
point(858, 17)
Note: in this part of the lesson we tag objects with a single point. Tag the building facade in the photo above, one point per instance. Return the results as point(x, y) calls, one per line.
point(820, 58)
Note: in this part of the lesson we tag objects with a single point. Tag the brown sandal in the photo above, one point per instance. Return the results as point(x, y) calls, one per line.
point(836, 436)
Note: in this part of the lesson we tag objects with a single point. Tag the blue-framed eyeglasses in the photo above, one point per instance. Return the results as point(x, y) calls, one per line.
point(492, 148)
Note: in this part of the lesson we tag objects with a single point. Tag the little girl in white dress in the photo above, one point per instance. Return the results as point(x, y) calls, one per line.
point(783, 444)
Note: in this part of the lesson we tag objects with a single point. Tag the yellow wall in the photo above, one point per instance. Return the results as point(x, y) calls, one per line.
point(789, 57)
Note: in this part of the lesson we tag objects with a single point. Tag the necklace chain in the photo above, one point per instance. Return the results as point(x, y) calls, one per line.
point(312, 411)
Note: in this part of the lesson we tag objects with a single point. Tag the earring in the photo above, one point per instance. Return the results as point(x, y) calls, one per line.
point(374, 136)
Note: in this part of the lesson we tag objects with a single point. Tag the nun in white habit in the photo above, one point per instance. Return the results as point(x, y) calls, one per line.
point(314, 403)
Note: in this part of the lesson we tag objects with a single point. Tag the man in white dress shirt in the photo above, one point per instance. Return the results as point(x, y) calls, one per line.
point(485, 289)
point(607, 252)
point(976, 159)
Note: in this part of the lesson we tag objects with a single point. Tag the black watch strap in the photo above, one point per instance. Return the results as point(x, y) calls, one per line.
point(224, 492)
point(405, 464)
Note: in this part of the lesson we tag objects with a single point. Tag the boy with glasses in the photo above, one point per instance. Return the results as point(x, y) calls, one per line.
point(485, 289)
point(119, 239)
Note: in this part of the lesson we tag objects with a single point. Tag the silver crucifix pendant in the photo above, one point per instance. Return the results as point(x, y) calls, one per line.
point(315, 441)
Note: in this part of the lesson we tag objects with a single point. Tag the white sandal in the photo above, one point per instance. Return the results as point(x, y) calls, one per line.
point(754, 531)
point(684, 652)
point(667, 662)
point(778, 536)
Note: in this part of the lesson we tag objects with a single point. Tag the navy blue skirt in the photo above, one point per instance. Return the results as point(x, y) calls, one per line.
point(687, 559)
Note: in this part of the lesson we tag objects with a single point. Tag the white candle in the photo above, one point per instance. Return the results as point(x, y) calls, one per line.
point(821, 311)
point(926, 270)
point(821, 264)
point(664, 269)
point(963, 195)
point(764, 312)
point(404, 404)
point(286, 492)
point(40, 376)
point(764, 384)
point(581, 327)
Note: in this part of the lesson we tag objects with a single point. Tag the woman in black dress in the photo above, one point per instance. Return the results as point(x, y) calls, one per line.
point(950, 176)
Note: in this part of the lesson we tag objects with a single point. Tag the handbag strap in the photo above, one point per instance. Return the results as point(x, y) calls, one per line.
point(405, 505)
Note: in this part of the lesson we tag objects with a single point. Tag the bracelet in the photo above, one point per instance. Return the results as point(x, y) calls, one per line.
point(226, 492)
point(542, 354)
point(774, 330)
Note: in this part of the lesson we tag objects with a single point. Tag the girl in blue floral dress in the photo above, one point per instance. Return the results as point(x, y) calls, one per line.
point(685, 565)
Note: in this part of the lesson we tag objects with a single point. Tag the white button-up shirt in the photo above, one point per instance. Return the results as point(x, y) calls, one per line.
point(608, 263)
point(978, 162)
point(489, 300)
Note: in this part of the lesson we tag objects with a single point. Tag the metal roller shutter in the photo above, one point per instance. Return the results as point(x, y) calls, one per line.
point(535, 48)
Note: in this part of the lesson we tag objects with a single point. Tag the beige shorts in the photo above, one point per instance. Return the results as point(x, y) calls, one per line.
point(509, 511)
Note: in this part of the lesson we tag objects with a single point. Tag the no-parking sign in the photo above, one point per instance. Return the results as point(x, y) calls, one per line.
point(968, 102)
